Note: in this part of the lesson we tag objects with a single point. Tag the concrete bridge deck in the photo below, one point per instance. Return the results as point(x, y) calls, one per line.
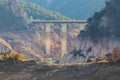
point(59, 21)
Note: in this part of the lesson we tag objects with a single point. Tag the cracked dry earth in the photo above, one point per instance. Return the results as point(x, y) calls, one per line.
point(37, 71)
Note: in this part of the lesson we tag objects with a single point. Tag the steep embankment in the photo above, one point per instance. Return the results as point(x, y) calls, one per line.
point(11, 17)
point(102, 32)
point(27, 38)
point(14, 33)
point(101, 35)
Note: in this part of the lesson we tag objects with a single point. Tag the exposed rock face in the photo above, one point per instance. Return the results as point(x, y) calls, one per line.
point(104, 23)
point(29, 39)
point(14, 33)
point(4, 46)
point(102, 33)
point(11, 16)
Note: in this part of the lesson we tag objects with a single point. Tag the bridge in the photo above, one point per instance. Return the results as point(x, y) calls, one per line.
point(63, 23)
point(59, 21)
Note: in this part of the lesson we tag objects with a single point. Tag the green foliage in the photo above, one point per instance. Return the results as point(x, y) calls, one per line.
point(75, 9)
point(50, 61)
point(2, 2)
point(38, 12)
point(92, 30)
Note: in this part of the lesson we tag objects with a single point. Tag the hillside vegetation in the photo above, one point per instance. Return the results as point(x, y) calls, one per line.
point(104, 23)
point(77, 9)
point(37, 12)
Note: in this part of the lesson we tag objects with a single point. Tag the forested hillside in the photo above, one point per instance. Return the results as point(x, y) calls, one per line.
point(78, 9)
point(37, 12)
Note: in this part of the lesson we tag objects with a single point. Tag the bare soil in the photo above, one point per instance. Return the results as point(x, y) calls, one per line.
point(30, 70)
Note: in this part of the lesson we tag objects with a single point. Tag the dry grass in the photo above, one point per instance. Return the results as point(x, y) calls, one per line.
point(116, 54)
point(13, 57)
point(31, 71)
point(112, 56)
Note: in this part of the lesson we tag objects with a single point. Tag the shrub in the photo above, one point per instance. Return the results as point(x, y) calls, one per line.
point(20, 57)
point(116, 55)
point(8, 56)
point(1, 58)
point(50, 61)
point(12, 57)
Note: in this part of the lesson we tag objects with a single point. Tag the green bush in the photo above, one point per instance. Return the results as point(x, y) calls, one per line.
point(51, 61)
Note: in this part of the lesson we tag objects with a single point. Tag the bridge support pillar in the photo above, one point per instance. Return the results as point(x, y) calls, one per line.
point(47, 47)
point(63, 40)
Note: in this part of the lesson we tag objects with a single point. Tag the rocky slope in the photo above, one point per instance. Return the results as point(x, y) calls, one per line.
point(101, 35)
point(102, 31)
point(27, 38)
point(12, 18)
point(14, 30)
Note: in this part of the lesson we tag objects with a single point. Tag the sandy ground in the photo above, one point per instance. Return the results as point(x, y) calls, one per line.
point(34, 71)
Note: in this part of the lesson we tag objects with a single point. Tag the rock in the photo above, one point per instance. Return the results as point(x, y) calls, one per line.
point(102, 31)
point(89, 60)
